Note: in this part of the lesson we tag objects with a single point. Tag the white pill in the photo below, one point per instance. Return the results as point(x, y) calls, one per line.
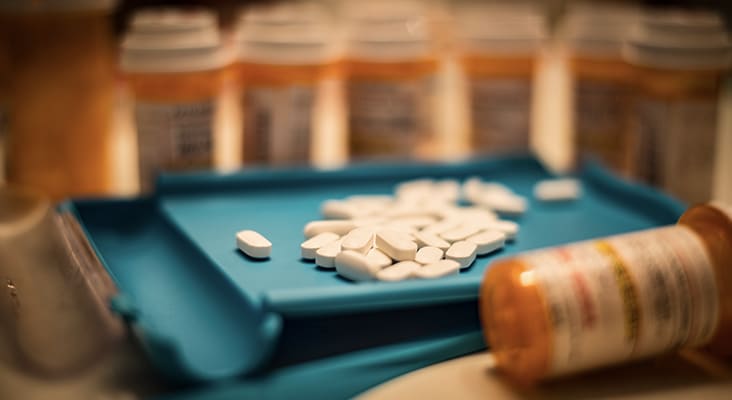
point(398, 272)
point(438, 270)
point(360, 240)
point(375, 199)
point(428, 255)
point(253, 244)
point(444, 225)
point(310, 247)
point(476, 215)
point(430, 239)
point(460, 233)
point(472, 189)
point(488, 241)
point(496, 187)
point(415, 222)
point(463, 252)
point(338, 209)
point(397, 245)
point(325, 256)
point(355, 266)
point(378, 257)
point(414, 190)
point(368, 221)
point(509, 228)
point(557, 190)
point(339, 227)
point(447, 190)
point(504, 203)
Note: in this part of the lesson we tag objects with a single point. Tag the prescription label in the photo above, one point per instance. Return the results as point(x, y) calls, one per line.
point(278, 124)
point(601, 115)
point(389, 118)
point(500, 114)
point(626, 297)
point(173, 137)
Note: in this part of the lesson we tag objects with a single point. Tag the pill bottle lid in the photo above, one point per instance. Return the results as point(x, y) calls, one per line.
point(172, 40)
point(598, 29)
point(500, 28)
point(681, 40)
point(387, 31)
point(36, 6)
point(291, 33)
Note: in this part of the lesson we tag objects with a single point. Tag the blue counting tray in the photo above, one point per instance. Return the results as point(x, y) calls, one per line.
point(205, 312)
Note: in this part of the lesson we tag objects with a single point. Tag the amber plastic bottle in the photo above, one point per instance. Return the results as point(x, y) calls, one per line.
point(566, 309)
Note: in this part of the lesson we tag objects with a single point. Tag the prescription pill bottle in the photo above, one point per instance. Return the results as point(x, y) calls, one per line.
point(680, 59)
point(602, 82)
point(579, 306)
point(58, 94)
point(285, 55)
point(174, 63)
point(390, 68)
point(499, 44)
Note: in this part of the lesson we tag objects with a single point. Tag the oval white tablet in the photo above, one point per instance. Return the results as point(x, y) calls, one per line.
point(445, 225)
point(429, 239)
point(355, 266)
point(378, 257)
point(428, 255)
point(360, 240)
point(253, 244)
point(509, 228)
point(437, 270)
point(396, 245)
point(338, 209)
point(557, 190)
point(398, 272)
point(309, 247)
point(460, 233)
point(463, 252)
point(325, 256)
point(488, 241)
point(337, 226)
point(502, 203)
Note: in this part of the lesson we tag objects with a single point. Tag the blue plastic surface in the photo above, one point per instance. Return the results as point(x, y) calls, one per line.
point(206, 312)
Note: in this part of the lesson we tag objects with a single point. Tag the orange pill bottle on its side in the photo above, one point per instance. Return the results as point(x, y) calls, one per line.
point(566, 309)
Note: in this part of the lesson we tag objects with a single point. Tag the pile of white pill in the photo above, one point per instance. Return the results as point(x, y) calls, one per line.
point(420, 232)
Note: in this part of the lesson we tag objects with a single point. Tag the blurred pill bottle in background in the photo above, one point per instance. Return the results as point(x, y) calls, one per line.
point(285, 53)
point(566, 309)
point(499, 45)
point(58, 94)
point(602, 82)
point(390, 66)
point(680, 58)
point(174, 63)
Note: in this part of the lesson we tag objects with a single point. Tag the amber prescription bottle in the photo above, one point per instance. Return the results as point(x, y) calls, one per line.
point(603, 82)
point(680, 60)
point(570, 308)
point(499, 45)
point(174, 63)
point(57, 88)
point(285, 55)
point(390, 69)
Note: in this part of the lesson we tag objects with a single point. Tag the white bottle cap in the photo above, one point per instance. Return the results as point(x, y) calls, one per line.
point(387, 31)
point(289, 34)
point(506, 29)
point(681, 40)
point(598, 29)
point(172, 40)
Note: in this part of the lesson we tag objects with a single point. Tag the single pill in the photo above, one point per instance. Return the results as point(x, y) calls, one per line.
point(360, 240)
point(415, 189)
point(430, 239)
point(438, 270)
point(338, 209)
point(488, 241)
point(403, 228)
point(379, 199)
point(557, 190)
point(448, 190)
point(415, 222)
point(355, 266)
point(444, 225)
point(460, 233)
point(463, 252)
point(378, 257)
point(509, 228)
point(505, 203)
point(472, 189)
point(368, 221)
point(396, 245)
point(253, 244)
point(496, 187)
point(476, 215)
point(325, 256)
point(428, 255)
point(310, 247)
point(337, 226)
point(398, 272)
